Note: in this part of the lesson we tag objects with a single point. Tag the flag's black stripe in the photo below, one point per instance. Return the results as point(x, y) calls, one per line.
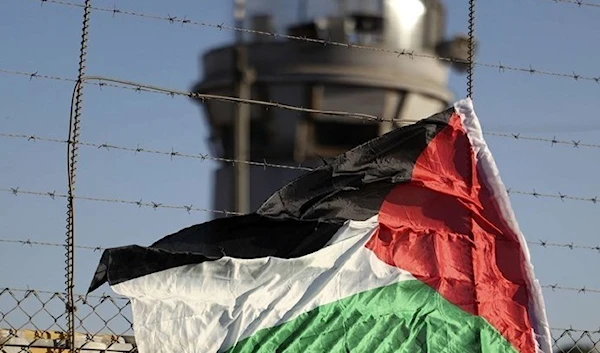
point(244, 237)
point(354, 185)
point(297, 220)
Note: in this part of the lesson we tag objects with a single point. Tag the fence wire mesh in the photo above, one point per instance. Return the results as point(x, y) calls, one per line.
point(37, 319)
point(33, 319)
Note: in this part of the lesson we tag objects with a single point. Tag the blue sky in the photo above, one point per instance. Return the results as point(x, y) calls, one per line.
point(544, 34)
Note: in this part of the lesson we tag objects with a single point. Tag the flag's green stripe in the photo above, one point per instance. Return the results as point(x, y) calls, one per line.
point(406, 317)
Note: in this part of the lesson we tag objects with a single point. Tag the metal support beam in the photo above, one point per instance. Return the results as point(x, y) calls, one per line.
point(242, 131)
point(241, 123)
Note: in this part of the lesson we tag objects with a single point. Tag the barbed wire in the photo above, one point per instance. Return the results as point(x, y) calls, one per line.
point(141, 87)
point(551, 141)
point(155, 205)
point(571, 246)
point(138, 149)
point(78, 295)
point(36, 74)
point(579, 3)
point(32, 243)
point(541, 243)
point(514, 136)
point(140, 203)
point(398, 52)
point(173, 154)
point(560, 196)
point(138, 87)
point(32, 137)
point(555, 287)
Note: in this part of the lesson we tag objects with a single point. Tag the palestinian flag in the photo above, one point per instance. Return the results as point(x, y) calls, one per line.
point(406, 243)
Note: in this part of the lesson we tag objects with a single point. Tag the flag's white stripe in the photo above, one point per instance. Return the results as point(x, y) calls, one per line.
point(491, 176)
point(211, 306)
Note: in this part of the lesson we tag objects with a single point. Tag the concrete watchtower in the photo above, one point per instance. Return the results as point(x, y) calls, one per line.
point(324, 77)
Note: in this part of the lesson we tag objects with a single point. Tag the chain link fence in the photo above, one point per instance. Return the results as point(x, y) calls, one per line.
point(33, 320)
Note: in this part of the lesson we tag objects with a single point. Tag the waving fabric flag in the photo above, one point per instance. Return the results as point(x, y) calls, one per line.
point(406, 243)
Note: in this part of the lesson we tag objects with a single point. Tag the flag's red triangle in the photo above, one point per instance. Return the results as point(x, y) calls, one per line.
point(445, 228)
